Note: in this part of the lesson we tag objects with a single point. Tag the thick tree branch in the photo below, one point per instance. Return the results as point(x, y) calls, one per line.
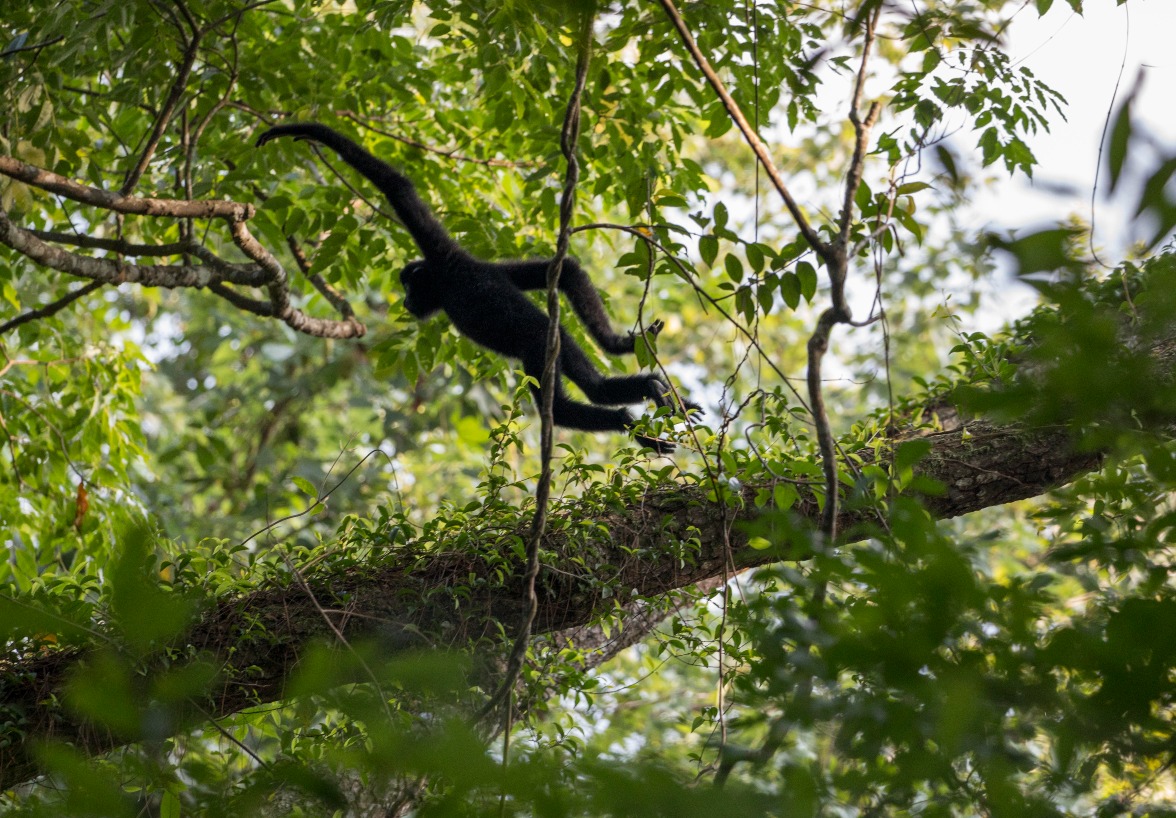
point(634, 551)
point(130, 205)
point(112, 271)
point(266, 271)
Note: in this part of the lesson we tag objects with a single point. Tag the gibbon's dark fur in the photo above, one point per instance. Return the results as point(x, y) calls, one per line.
point(484, 300)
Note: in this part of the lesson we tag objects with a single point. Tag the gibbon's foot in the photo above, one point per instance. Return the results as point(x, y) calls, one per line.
point(652, 330)
point(687, 408)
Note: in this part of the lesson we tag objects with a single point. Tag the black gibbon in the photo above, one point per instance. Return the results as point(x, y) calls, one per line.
point(484, 300)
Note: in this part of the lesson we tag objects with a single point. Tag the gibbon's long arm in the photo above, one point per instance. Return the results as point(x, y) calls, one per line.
point(429, 234)
point(584, 298)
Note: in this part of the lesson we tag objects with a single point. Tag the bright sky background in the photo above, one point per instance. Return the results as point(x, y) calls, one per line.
point(1080, 56)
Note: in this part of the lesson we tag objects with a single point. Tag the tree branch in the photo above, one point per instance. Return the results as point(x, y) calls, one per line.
point(50, 309)
point(266, 271)
point(112, 271)
point(822, 248)
point(120, 203)
point(417, 606)
point(165, 114)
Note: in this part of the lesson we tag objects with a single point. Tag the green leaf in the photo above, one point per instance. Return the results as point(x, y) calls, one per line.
point(912, 187)
point(790, 289)
point(1042, 251)
point(755, 257)
point(1156, 201)
point(734, 267)
point(720, 215)
point(784, 496)
point(708, 248)
point(806, 274)
point(305, 486)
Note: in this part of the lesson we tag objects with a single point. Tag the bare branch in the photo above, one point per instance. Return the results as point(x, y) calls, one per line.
point(110, 271)
point(120, 203)
point(50, 309)
point(861, 131)
point(120, 246)
point(328, 292)
point(243, 302)
point(279, 292)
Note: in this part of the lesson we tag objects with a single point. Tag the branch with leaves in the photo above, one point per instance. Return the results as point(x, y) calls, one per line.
point(411, 604)
point(834, 254)
point(262, 270)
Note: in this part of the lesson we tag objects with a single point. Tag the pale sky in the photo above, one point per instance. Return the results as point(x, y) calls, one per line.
point(1080, 56)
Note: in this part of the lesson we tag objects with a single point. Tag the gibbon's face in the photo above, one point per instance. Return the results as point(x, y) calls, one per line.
point(418, 299)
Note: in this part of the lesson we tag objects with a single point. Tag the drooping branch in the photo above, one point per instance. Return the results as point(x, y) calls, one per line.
point(264, 271)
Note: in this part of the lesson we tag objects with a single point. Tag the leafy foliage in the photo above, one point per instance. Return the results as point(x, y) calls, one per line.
point(171, 457)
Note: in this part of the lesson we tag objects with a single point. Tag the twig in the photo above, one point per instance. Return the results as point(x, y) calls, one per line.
point(165, 114)
point(50, 309)
point(448, 153)
point(120, 246)
point(8, 52)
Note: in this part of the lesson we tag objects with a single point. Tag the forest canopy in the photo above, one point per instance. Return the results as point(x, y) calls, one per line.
point(276, 546)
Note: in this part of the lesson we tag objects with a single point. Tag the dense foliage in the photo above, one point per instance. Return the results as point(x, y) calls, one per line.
point(264, 531)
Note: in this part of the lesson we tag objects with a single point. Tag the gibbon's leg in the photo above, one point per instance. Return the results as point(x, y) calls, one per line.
point(567, 412)
point(621, 389)
point(583, 296)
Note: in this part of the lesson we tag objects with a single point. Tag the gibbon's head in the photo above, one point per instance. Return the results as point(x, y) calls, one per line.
point(421, 297)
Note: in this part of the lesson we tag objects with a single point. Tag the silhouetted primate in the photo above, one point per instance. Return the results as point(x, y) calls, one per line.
point(485, 300)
